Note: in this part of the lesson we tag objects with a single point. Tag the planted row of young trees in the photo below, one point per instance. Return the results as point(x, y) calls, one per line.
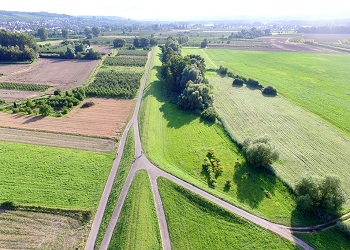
point(184, 77)
point(125, 61)
point(24, 86)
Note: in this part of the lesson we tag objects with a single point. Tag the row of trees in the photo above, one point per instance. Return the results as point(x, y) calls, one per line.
point(43, 33)
point(251, 33)
point(184, 77)
point(138, 42)
point(17, 46)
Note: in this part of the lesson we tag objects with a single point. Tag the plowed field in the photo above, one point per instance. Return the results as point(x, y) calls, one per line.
point(105, 119)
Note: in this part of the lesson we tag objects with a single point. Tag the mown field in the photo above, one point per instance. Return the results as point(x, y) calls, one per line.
point(317, 82)
point(37, 230)
point(52, 177)
point(178, 141)
point(137, 226)
point(195, 223)
point(305, 142)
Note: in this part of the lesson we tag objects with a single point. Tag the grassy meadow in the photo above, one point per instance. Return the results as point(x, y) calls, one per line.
point(137, 226)
point(52, 177)
point(315, 81)
point(207, 226)
point(305, 142)
point(178, 141)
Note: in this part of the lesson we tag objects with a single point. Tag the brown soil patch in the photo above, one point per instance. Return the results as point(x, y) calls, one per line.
point(57, 140)
point(105, 119)
point(59, 73)
point(33, 230)
point(16, 95)
point(103, 49)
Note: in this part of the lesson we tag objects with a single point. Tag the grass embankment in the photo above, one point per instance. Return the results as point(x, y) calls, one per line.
point(207, 226)
point(178, 141)
point(137, 227)
point(123, 171)
point(331, 239)
point(52, 177)
point(306, 143)
point(315, 81)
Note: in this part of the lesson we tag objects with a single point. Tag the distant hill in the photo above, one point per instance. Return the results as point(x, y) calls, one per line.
point(6, 16)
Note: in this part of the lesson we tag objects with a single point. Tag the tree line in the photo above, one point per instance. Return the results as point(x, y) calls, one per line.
point(184, 79)
point(17, 46)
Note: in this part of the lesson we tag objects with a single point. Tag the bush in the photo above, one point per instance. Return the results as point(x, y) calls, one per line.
point(238, 82)
point(269, 90)
point(259, 152)
point(209, 114)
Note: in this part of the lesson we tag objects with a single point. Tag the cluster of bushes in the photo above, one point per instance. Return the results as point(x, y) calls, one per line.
point(24, 86)
point(184, 77)
point(17, 47)
point(125, 61)
point(212, 167)
point(250, 34)
point(56, 105)
point(111, 83)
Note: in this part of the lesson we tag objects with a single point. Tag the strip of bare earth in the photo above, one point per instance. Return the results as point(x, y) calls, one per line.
point(57, 140)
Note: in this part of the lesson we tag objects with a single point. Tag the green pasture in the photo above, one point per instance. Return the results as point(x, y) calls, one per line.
point(305, 142)
point(52, 177)
point(178, 141)
point(315, 81)
point(137, 226)
point(195, 223)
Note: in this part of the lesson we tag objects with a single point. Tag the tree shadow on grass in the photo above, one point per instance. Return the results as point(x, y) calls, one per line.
point(254, 184)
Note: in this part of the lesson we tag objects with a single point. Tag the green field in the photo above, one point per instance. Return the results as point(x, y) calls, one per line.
point(178, 141)
point(137, 226)
point(195, 223)
point(123, 171)
point(331, 239)
point(52, 177)
point(315, 81)
point(305, 142)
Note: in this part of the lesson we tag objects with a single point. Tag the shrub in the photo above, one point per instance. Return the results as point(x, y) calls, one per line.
point(269, 90)
point(209, 114)
point(238, 82)
point(259, 152)
point(253, 83)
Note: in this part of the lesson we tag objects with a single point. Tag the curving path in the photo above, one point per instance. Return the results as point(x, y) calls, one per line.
point(141, 162)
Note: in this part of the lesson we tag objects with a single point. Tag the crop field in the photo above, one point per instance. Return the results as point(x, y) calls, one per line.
point(57, 178)
point(178, 141)
point(315, 81)
point(137, 226)
point(195, 223)
point(61, 74)
point(58, 140)
point(305, 142)
point(106, 119)
point(35, 230)
point(125, 61)
point(17, 95)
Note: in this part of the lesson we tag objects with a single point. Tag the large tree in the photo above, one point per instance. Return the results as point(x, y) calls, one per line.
point(65, 33)
point(95, 31)
point(119, 43)
point(42, 33)
point(320, 196)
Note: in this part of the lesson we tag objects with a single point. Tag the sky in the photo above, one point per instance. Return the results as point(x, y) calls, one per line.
point(182, 10)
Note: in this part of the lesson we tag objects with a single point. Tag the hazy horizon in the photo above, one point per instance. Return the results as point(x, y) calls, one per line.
point(182, 10)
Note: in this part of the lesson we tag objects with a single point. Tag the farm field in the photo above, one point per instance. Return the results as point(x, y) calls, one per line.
point(305, 142)
point(35, 230)
point(315, 81)
point(195, 223)
point(62, 74)
point(58, 140)
point(57, 178)
point(105, 119)
point(178, 141)
point(137, 226)
point(16, 95)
